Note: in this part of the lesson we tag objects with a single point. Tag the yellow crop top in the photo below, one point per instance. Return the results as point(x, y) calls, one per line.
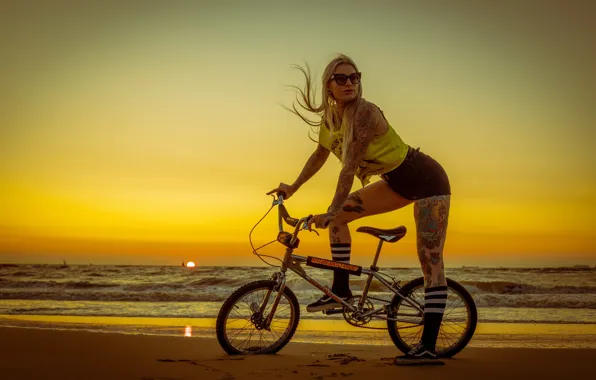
point(384, 153)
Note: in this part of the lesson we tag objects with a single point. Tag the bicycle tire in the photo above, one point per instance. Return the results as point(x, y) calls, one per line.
point(220, 325)
point(450, 351)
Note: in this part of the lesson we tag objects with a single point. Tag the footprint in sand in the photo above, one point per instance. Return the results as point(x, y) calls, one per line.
point(231, 358)
point(344, 359)
point(179, 360)
point(386, 361)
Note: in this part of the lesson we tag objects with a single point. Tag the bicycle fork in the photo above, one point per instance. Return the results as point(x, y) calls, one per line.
point(280, 280)
point(258, 313)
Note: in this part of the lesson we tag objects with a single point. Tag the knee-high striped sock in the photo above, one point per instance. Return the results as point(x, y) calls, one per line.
point(435, 299)
point(341, 252)
point(341, 280)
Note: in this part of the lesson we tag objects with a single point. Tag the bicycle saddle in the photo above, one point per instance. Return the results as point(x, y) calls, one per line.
point(390, 236)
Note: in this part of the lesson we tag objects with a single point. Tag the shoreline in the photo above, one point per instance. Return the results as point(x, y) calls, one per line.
point(315, 331)
point(54, 354)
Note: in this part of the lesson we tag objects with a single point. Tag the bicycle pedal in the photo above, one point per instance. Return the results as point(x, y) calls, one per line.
point(333, 311)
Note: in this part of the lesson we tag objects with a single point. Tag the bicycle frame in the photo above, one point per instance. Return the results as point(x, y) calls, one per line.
point(293, 262)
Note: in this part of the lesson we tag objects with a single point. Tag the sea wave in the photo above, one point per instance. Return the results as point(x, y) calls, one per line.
point(506, 287)
point(170, 294)
point(536, 301)
point(296, 284)
point(15, 284)
point(114, 296)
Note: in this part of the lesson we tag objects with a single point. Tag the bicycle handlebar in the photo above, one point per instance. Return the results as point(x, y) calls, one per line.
point(285, 216)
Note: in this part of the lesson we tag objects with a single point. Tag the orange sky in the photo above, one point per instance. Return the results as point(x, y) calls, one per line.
point(152, 137)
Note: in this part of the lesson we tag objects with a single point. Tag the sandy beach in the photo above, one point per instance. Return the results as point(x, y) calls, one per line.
point(29, 353)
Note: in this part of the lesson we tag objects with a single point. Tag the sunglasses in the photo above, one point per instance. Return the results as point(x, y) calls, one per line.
point(341, 79)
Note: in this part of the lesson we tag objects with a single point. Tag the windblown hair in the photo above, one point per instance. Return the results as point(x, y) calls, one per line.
point(327, 110)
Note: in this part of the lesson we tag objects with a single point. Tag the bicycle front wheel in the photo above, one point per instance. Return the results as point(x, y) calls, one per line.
point(457, 327)
point(240, 324)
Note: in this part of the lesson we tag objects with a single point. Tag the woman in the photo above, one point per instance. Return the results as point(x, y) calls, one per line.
point(356, 131)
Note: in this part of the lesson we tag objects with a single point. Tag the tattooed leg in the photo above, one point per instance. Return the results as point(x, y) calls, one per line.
point(354, 203)
point(353, 208)
point(373, 199)
point(341, 246)
point(431, 215)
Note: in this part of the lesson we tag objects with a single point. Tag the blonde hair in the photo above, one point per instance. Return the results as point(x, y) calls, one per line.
point(328, 110)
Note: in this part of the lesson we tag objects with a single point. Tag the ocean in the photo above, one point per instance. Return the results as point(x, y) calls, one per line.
point(36, 293)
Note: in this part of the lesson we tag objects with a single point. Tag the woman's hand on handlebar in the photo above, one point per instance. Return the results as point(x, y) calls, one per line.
point(286, 190)
point(321, 220)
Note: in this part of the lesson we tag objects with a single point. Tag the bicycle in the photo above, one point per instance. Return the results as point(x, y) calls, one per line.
point(404, 313)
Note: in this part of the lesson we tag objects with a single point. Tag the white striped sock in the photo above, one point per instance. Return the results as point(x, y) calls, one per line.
point(435, 299)
point(341, 252)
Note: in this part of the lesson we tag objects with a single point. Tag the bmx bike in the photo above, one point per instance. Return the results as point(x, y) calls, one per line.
point(262, 316)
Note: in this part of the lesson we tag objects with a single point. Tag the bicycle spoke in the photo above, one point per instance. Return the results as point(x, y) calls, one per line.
point(288, 307)
point(276, 333)
point(265, 339)
point(450, 324)
point(454, 308)
point(450, 340)
point(242, 329)
point(247, 340)
point(246, 321)
point(242, 317)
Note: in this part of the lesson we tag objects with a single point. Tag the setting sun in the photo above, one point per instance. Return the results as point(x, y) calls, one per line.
point(190, 264)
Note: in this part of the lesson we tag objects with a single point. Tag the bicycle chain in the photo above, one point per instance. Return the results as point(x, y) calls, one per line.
point(375, 328)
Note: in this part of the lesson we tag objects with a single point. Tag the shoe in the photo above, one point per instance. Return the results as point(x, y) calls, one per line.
point(325, 303)
point(419, 355)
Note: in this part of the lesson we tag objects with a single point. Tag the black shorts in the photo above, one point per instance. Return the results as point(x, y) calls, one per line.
point(419, 176)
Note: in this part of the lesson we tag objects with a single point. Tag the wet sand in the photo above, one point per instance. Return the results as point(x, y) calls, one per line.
point(30, 353)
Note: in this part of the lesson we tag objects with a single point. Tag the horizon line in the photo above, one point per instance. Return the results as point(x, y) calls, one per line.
point(574, 266)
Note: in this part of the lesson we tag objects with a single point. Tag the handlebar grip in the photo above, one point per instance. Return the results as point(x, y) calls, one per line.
point(305, 223)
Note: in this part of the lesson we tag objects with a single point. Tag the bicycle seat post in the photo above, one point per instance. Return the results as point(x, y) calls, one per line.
point(374, 264)
point(373, 268)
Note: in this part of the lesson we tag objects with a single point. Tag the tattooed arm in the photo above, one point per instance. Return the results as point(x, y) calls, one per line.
point(365, 122)
point(312, 166)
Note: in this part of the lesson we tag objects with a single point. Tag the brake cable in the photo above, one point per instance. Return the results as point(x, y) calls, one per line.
point(254, 250)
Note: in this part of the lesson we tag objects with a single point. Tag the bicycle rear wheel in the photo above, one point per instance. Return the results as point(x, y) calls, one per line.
point(457, 327)
point(239, 326)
